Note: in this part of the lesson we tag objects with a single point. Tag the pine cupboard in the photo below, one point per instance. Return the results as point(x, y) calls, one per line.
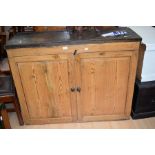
point(74, 82)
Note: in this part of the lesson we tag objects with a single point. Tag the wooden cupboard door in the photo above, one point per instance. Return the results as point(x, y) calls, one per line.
point(46, 82)
point(103, 81)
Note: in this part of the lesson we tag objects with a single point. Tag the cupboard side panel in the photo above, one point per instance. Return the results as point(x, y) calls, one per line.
point(122, 79)
point(19, 89)
point(132, 77)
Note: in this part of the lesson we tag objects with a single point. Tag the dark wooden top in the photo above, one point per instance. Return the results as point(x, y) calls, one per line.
point(55, 38)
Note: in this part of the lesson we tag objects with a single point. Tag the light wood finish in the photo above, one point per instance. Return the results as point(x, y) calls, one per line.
point(104, 82)
point(104, 72)
point(42, 51)
point(140, 60)
point(131, 81)
point(147, 123)
point(48, 80)
point(46, 88)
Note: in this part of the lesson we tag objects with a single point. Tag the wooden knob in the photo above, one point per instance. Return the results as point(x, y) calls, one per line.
point(78, 89)
point(72, 89)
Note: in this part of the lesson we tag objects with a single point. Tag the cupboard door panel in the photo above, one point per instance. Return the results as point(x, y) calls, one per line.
point(46, 86)
point(104, 84)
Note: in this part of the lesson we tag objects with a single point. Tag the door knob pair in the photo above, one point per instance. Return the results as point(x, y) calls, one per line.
point(76, 89)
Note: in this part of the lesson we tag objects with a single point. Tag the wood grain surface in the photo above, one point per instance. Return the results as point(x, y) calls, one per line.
point(91, 82)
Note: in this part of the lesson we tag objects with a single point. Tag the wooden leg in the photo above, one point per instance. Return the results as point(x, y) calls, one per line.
point(18, 112)
point(5, 118)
